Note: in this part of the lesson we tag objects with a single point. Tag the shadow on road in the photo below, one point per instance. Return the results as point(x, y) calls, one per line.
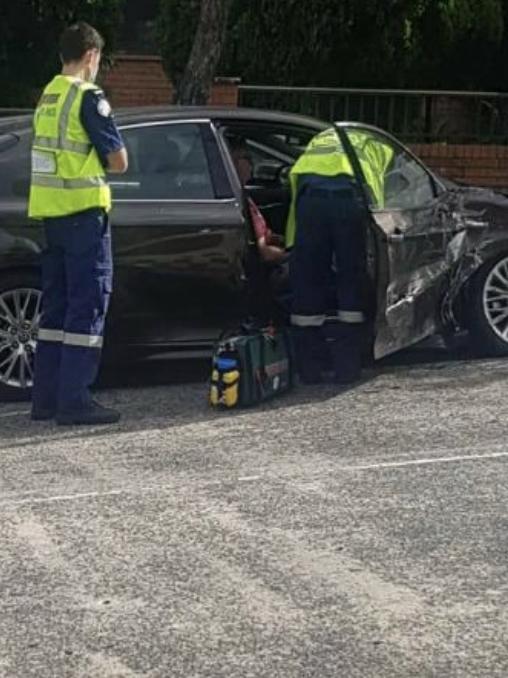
point(160, 372)
point(164, 408)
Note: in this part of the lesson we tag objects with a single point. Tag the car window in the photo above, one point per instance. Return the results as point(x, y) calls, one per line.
point(166, 162)
point(15, 164)
point(266, 163)
point(394, 179)
point(270, 149)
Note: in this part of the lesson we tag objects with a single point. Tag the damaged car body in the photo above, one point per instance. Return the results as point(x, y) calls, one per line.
point(437, 252)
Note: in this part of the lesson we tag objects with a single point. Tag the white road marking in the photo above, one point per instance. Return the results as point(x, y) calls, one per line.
point(15, 414)
point(422, 462)
point(64, 497)
point(164, 488)
point(93, 495)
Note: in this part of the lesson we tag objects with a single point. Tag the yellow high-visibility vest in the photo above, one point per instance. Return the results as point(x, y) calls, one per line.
point(325, 156)
point(67, 174)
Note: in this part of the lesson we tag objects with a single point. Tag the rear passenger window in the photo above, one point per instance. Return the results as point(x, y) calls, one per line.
point(15, 164)
point(166, 162)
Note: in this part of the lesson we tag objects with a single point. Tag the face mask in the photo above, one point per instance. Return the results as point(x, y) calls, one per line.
point(93, 71)
point(92, 75)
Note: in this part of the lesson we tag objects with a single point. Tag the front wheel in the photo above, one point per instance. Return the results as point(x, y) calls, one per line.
point(488, 308)
point(20, 309)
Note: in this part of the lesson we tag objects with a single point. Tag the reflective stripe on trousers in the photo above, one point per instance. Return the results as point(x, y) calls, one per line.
point(71, 339)
point(302, 320)
point(349, 317)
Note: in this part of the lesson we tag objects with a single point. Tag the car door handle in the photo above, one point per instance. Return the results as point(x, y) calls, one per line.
point(395, 237)
point(204, 231)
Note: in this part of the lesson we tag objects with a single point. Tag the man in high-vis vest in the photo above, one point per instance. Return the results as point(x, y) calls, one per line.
point(75, 142)
point(326, 230)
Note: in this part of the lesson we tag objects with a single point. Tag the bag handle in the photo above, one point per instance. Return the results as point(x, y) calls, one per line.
point(246, 328)
point(263, 336)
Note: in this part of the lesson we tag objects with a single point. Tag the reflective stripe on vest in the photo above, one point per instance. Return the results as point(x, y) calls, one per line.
point(48, 99)
point(54, 182)
point(63, 144)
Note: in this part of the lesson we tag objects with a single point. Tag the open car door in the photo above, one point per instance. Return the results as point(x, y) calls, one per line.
point(270, 149)
point(414, 240)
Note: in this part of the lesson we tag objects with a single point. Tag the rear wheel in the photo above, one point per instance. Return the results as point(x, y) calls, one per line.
point(20, 309)
point(488, 308)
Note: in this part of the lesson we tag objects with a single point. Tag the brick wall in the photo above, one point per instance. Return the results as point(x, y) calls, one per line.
point(470, 164)
point(139, 80)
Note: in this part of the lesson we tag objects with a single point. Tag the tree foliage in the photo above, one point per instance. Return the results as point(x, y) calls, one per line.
point(453, 44)
point(29, 31)
point(373, 43)
point(458, 43)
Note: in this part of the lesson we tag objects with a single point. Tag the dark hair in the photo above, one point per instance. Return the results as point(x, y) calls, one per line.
point(77, 39)
point(234, 140)
point(237, 143)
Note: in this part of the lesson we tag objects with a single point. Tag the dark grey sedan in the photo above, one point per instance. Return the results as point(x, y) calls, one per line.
point(437, 252)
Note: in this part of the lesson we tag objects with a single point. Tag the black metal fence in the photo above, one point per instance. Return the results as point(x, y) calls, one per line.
point(412, 115)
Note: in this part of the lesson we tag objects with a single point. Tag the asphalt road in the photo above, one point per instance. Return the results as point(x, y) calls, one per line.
point(355, 534)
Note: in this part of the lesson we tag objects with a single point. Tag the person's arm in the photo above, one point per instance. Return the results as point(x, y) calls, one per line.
point(98, 121)
point(271, 253)
point(117, 161)
point(268, 248)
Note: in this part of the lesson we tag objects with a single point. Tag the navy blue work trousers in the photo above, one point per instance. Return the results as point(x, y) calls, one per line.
point(327, 275)
point(77, 272)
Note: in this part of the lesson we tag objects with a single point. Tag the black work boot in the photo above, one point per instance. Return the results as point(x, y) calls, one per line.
point(311, 353)
point(93, 415)
point(42, 414)
point(346, 350)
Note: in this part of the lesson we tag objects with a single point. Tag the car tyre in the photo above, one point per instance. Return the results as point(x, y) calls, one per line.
point(20, 306)
point(487, 312)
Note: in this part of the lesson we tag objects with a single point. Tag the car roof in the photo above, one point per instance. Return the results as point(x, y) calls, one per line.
point(126, 116)
point(147, 114)
point(159, 113)
point(13, 123)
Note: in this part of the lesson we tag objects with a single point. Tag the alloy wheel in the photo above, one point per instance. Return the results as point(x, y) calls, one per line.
point(20, 311)
point(495, 298)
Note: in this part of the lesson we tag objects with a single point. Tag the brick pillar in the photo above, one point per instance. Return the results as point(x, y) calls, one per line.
point(137, 80)
point(225, 92)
